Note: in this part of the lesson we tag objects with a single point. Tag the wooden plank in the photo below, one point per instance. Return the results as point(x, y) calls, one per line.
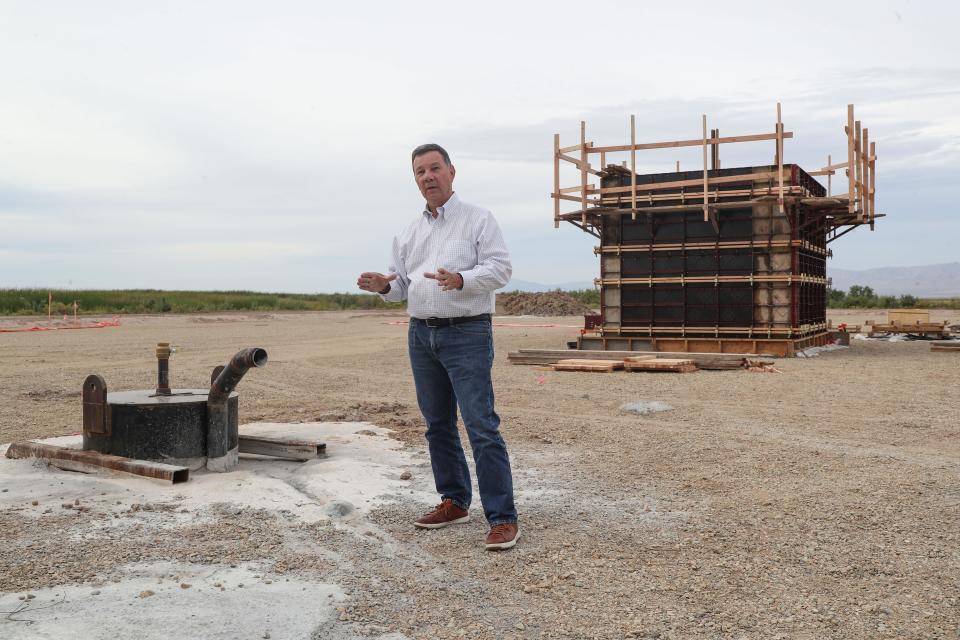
point(288, 448)
point(661, 364)
point(633, 168)
point(851, 189)
point(556, 180)
point(713, 361)
point(780, 158)
point(864, 173)
point(934, 347)
point(833, 167)
point(583, 171)
point(562, 196)
point(675, 184)
point(573, 147)
point(579, 364)
point(829, 177)
point(873, 180)
point(579, 164)
point(706, 175)
point(726, 244)
point(689, 143)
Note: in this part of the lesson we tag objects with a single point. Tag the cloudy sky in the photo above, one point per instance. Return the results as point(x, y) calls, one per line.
point(265, 146)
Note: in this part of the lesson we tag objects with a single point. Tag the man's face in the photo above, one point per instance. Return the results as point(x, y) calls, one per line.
point(434, 177)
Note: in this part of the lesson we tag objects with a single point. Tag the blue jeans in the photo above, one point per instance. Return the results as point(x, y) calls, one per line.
point(451, 367)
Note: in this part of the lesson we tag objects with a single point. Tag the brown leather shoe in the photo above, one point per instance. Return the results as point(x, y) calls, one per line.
point(502, 536)
point(444, 514)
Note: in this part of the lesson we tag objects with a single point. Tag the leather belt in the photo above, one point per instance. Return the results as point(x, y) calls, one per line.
point(449, 322)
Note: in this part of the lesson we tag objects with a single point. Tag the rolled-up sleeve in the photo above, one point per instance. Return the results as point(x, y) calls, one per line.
point(493, 268)
point(398, 288)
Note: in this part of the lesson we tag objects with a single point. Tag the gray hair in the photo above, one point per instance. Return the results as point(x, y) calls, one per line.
point(427, 148)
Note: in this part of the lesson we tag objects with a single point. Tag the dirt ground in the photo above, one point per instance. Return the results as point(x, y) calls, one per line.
point(820, 502)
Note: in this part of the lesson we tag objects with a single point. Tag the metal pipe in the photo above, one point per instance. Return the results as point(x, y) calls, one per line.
point(221, 456)
point(92, 461)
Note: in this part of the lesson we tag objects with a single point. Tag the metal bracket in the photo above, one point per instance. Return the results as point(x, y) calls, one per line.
point(96, 413)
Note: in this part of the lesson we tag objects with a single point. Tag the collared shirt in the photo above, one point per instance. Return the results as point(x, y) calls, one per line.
point(463, 238)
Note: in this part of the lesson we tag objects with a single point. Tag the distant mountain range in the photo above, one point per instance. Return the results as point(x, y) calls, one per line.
point(929, 281)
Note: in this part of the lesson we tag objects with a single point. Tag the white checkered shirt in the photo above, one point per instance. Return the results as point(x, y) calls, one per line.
point(463, 238)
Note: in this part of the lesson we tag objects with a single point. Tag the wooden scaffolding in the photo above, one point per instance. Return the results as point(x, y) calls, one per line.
point(716, 259)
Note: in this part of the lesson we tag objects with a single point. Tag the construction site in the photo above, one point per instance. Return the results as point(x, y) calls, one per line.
point(711, 453)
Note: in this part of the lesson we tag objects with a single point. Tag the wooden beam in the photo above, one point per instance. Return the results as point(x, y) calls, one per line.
point(591, 188)
point(829, 177)
point(563, 196)
point(706, 176)
point(689, 143)
point(655, 186)
point(583, 170)
point(780, 157)
point(851, 188)
point(633, 168)
point(857, 167)
point(580, 165)
point(873, 181)
point(556, 180)
point(865, 173)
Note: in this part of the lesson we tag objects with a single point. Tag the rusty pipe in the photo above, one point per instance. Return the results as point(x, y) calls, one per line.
point(93, 461)
point(223, 451)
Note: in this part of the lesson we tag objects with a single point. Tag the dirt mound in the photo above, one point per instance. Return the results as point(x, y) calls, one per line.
point(550, 303)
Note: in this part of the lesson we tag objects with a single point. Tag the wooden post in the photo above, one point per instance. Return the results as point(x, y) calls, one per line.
point(865, 172)
point(633, 168)
point(75, 307)
point(556, 181)
point(829, 176)
point(706, 176)
point(873, 180)
point(857, 164)
point(780, 158)
point(583, 172)
point(851, 206)
point(678, 166)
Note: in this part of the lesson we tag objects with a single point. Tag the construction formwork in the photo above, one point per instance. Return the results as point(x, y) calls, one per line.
point(717, 259)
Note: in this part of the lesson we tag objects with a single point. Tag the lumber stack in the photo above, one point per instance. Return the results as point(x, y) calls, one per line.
point(947, 346)
point(676, 365)
point(601, 366)
point(710, 361)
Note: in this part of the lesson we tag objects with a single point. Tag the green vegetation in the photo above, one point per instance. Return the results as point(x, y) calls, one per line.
point(34, 301)
point(860, 297)
point(589, 297)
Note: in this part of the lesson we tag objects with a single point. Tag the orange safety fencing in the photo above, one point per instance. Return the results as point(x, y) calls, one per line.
point(115, 322)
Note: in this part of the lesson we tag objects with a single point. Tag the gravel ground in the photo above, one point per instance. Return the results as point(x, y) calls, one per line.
point(822, 502)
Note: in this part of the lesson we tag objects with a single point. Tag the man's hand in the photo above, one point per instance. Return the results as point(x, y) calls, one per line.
point(375, 282)
point(445, 279)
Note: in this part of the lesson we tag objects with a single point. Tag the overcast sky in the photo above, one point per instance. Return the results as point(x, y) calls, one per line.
point(265, 146)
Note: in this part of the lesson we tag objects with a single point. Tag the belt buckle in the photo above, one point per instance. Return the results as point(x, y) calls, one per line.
point(433, 322)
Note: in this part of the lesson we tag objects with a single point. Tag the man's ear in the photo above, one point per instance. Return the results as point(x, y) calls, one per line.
point(453, 171)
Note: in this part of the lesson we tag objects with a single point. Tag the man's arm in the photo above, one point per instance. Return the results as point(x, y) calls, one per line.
point(391, 287)
point(493, 268)
point(397, 287)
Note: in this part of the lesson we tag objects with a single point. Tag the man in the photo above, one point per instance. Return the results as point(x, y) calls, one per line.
point(447, 264)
